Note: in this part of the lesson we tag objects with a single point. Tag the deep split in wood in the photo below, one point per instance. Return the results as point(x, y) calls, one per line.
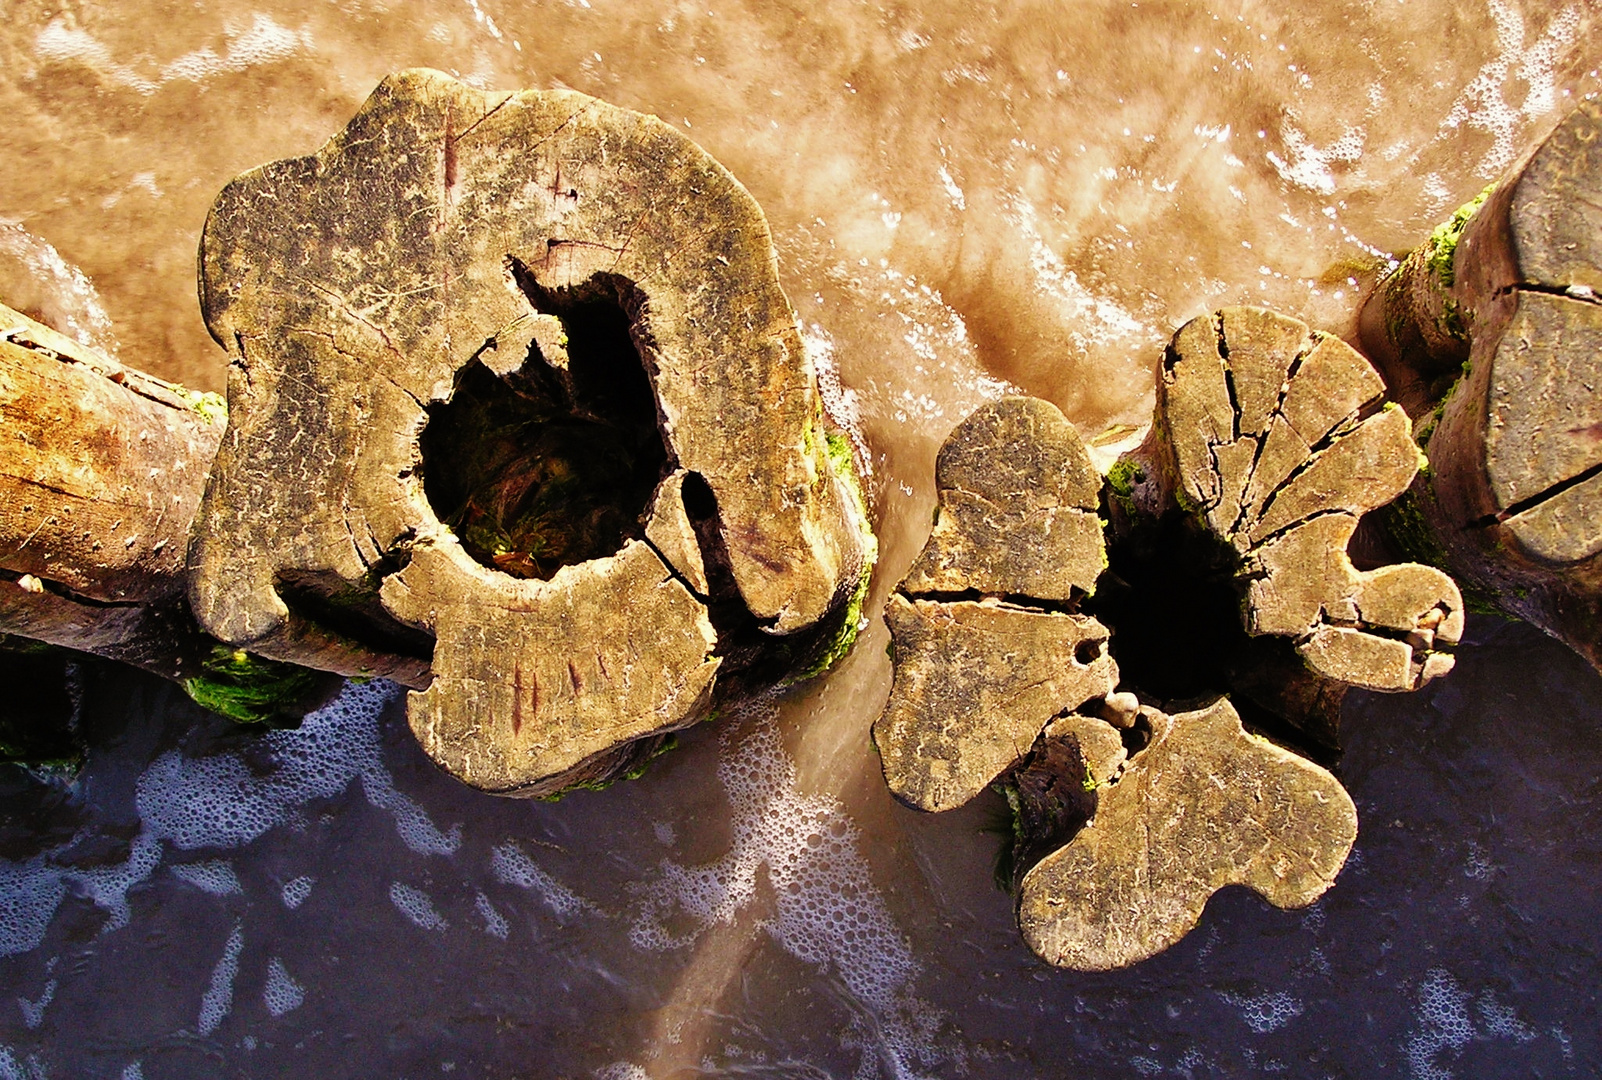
point(1135, 789)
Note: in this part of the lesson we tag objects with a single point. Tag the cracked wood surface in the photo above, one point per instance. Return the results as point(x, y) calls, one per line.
point(446, 226)
point(984, 657)
point(1204, 805)
point(1275, 437)
point(101, 470)
point(1513, 504)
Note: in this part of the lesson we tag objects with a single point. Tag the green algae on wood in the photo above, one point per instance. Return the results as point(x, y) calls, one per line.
point(250, 689)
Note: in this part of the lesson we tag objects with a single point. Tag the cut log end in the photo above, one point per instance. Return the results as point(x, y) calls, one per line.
point(1514, 499)
point(987, 647)
point(1204, 805)
point(581, 491)
point(1277, 439)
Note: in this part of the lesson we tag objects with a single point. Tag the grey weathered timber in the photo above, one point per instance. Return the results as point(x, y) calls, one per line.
point(513, 385)
point(1203, 806)
point(1491, 332)
point(985, 656)
point(1277, 440)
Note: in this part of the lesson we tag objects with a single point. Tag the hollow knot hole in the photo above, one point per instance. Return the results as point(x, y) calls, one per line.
point(554, 462)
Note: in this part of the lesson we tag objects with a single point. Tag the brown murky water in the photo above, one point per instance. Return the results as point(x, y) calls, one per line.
point(965, 198)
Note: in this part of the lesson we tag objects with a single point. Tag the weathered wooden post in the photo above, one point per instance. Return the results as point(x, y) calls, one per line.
point(1033, 654)
point(514, 391)
point(1490, 332)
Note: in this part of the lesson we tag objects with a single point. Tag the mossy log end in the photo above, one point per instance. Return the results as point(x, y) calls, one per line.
point(514, 391)
point(1507, 401)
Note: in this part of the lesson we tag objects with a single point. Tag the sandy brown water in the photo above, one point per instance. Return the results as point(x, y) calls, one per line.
point(965, 198)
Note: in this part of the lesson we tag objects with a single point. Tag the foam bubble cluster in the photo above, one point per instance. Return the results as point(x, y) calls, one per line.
point(1265, 1012)
point(214, 876)
point(495, 923)
point(295, 892)
point(281, 994)
point(263, 42)
point(220, 802)
point(827, 911)
point(416, 906)
point(1481, 103)
point(512, 866)
point(219, 996)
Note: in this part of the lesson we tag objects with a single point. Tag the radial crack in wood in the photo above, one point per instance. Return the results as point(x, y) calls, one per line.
point(1273, 436)
point(1205, 805)
point(976, 680)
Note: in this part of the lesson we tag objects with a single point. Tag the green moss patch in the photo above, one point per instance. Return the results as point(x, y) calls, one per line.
point(250, 689)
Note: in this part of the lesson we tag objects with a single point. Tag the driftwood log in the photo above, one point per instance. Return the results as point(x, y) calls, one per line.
point(101, 471)
point(515, 396)
point(1031, 653)
point(1490, 333)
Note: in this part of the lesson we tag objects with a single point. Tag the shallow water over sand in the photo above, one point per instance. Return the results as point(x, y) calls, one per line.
point(964, 200)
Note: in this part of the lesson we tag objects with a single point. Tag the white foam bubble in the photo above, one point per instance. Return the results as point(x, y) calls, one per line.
point(495, 923)
point(29, 894)
point(416, 906)
point(1267, 1011)
point(219, 995)
point(1443, 1024)
point(295, 892)
point(1499, 1021)
point(827, 911)
point(513, 867)
point(132, 1071)
point(12, 1068)
point(33, 1011)
point(281, 994)
point(215, 876)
